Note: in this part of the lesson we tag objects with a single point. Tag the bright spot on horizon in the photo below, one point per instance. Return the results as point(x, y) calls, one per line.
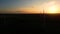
point(52, 9)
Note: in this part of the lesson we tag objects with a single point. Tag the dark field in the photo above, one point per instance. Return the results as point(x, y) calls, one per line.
point(28, 23)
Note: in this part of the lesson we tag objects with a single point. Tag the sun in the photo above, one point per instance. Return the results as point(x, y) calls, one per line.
point(53, 9)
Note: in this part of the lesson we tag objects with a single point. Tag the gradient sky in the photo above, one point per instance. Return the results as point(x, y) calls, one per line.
point(24, 5)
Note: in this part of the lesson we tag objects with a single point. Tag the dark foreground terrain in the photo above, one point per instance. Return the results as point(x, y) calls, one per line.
point(28, 23)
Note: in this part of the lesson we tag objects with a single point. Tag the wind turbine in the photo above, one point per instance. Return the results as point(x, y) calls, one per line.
point(44, 21)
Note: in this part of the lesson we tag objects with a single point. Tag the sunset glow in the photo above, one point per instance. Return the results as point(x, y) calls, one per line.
point(30, 6)
point(52, 9)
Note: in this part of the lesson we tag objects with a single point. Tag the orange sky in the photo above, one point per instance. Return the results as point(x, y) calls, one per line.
point(37, 6)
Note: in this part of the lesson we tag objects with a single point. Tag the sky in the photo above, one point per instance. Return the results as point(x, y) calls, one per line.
point(25, 6)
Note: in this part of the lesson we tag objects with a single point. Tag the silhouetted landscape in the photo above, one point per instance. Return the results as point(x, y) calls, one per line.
point(30, 22)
